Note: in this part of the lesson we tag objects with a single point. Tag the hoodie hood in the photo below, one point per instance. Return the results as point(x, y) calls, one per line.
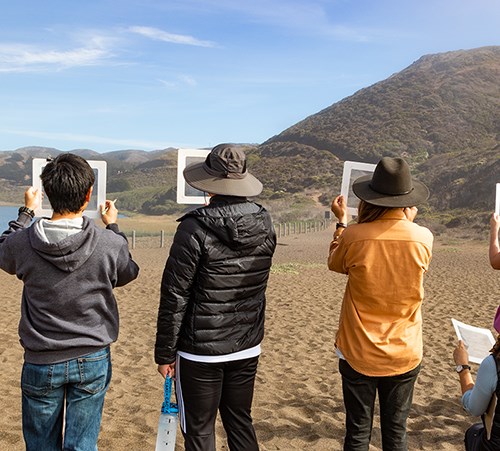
point(236, 222)
point(70, 253)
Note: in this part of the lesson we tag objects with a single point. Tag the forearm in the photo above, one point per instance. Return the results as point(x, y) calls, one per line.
point(114, 228)
point(23, 221)
point(335, 240)
point(494, 248)
point(167, 337)
point(171, 312)
point(333, 255)
point(466, 381)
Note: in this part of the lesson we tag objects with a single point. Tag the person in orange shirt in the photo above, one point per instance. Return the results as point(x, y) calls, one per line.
point(379, 339)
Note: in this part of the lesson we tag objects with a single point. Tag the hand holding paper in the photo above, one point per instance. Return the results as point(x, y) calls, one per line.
point(32, 198)
point(460, 354)
point(339, 208)
point(109, 213)
point(477, 341)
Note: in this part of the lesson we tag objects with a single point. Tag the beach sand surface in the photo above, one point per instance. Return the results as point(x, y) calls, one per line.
point(298, 398)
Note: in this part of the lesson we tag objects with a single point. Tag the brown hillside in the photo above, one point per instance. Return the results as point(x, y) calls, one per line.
point(442, 113)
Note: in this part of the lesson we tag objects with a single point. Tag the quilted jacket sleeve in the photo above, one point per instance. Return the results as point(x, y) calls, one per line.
point(176, 287)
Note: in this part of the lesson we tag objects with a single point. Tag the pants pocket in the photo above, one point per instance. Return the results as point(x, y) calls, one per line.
point(36, 380)
point(95, 371)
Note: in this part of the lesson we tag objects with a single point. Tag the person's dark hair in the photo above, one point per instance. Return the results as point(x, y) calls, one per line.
point(368, 212)
point(66, 181)
point(496, 349)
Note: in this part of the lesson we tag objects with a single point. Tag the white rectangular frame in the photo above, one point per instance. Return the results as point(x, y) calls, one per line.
point(348, 179)
point(185, 193)
point(477, 340)
point(497, 200)
point(98, 196)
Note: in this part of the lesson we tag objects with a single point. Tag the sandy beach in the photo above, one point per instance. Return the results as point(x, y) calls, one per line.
point(298, 401)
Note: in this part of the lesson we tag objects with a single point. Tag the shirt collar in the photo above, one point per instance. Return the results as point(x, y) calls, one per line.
point(394, 214)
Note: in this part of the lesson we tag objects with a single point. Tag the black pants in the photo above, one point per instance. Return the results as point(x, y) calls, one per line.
point(474, 438)
point(204, 388)
point(395, 397)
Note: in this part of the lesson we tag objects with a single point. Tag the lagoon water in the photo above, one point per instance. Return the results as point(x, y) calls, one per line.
point(7, 214)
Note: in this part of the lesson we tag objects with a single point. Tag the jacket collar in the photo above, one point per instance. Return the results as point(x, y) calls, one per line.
point(397, 213)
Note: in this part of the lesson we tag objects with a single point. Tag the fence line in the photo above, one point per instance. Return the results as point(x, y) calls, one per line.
point(297, 227)
point(282, 230)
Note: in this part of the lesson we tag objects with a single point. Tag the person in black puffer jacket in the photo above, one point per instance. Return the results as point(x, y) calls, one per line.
point(212, 303)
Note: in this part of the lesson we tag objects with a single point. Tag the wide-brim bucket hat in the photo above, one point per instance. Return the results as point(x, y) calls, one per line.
point(391, 185)
point(224, 171)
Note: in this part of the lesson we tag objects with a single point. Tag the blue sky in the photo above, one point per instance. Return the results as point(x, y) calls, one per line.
point(150, 74)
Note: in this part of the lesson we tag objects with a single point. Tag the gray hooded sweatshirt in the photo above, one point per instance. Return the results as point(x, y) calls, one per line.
point(68, 308)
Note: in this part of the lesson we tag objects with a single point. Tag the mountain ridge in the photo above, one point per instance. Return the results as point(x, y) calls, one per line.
point(441, 108)
point(441, 113)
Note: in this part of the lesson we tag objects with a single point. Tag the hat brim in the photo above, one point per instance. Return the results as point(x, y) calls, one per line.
point(196, 176)
point(362, 189)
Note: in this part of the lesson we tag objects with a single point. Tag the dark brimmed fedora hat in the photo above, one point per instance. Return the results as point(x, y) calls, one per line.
point(224, 171)
point(391, 185)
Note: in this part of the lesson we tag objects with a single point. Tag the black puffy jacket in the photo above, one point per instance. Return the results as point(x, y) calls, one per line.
point(213, 287)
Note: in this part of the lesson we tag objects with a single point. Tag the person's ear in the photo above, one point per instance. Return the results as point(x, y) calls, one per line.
point(88, 195)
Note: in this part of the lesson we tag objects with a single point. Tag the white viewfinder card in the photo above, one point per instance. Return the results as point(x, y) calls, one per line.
point(497, 200)
point(187, 194)
point(477, 340)
point(98, 192)
point(352, 171)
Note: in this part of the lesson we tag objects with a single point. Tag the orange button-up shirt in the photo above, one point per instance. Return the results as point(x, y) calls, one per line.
point(380, 327)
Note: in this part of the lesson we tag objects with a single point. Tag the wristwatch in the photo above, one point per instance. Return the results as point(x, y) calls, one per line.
point(28, 211)
point(460, 368)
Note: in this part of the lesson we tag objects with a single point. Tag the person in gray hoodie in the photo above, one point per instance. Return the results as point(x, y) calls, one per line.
point(69, 315)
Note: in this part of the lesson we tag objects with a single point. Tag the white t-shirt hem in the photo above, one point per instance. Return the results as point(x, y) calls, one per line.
point(240, 355)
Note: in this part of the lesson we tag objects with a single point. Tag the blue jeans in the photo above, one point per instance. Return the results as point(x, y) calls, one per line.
point(70, 392)
point(395, 397)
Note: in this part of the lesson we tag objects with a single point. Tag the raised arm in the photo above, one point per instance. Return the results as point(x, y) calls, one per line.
point(339, 209)
point(461, 357)
point(494, 246)
point(31, 203)
point(476, 396)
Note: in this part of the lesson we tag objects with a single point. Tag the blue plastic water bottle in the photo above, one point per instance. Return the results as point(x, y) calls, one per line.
point(167, 426)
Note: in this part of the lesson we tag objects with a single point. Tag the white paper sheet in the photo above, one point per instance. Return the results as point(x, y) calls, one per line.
point(477, 340)
point(497, 200)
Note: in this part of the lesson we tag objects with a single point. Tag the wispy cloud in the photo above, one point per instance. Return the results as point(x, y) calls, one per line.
point(16, 57)
point(160, 35)
point(311, 17)
point(88, 140)
point(181, 80)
